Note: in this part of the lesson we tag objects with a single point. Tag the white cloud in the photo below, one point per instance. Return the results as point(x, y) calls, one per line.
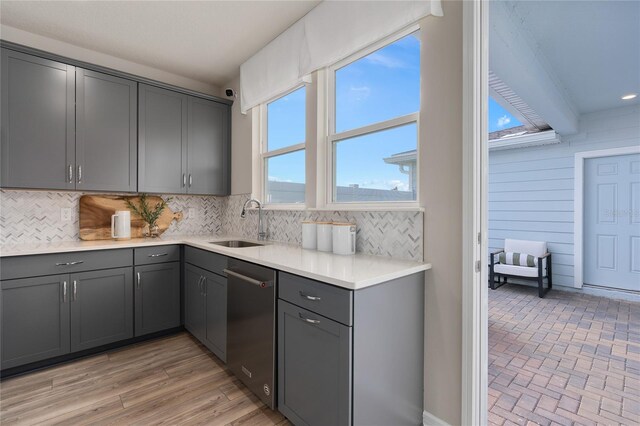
point(360, 93)
point(503, 121)
point(277, 179)
point(378, 58)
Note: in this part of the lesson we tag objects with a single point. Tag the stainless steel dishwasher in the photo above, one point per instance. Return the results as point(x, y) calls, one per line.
point(251, 299)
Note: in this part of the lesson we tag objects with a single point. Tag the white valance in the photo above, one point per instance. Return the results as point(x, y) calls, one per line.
point(332, 31)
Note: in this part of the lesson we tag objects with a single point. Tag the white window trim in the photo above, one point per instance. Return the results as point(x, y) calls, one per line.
point(260, 189)
point(325, 149)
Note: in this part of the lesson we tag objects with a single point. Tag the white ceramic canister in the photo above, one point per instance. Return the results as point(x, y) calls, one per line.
point(324, 236)
point(121, 225)
point(309, 235)
point(344, 238)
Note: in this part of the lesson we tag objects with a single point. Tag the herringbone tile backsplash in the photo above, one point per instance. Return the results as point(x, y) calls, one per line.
point(394, 234)
point(34, 217)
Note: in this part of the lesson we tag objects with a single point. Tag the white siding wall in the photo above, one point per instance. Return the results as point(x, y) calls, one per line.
point(531, 189)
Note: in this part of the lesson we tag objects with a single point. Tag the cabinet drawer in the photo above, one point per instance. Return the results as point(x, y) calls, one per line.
point(156, 254)
point(332, 302)
point(213, 262)
point(63, 263)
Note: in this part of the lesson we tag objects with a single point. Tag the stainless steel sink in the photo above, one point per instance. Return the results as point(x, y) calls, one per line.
point(236, 243)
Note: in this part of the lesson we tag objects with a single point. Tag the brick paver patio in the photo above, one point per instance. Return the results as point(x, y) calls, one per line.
point(565, 359)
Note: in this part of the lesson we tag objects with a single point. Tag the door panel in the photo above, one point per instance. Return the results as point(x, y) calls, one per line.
point(194, 315)
point(101, 307)
point(208, 147)
point(612, 222)
point(157, 297)
point(162, 139)
point(314, 367)
point(215, 288)
point(38, 122)
point(106, 137)
point(34, 319)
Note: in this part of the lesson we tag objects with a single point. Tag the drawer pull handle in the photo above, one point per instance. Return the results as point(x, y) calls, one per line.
point(308, 297)
point(77, 262)
point(261, 284)
point(158, 255)
point(309, 320)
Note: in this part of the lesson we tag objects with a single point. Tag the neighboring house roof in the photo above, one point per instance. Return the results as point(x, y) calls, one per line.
point(402, 157)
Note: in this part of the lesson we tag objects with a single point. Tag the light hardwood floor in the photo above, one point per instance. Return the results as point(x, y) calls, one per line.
point(172, 380)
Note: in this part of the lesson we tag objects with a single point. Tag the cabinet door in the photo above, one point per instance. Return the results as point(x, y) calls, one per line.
point(194, 315)
point(106, 137)
point(314, 367)
point(157, 297)
point(38, 122)
point(215, 293)
point(208, 147)
point(34, 320)
point(101, 307)
point(162, 140)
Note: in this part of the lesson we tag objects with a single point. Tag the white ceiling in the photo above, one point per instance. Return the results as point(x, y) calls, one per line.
point(591, 49)
point(202, 40)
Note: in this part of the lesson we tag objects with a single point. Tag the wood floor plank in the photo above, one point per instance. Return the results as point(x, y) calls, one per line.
point(173, 380)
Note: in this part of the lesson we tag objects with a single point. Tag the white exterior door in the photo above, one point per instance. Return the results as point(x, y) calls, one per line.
point(612, 222)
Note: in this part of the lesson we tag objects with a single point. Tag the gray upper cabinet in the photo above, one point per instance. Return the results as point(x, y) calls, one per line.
point(38, 122)
point(157, 297)
point(34, 319)
point(162, 140)
point(106, 138)
point(101, 307)
point(183, 143)
point(208, 147)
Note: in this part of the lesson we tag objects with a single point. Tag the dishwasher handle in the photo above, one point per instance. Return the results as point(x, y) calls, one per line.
point(261, 284)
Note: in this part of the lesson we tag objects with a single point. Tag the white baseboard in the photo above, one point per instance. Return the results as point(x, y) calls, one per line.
point(429, 419)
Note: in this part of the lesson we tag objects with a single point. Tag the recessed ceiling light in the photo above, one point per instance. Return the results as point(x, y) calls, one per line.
point(629, 96)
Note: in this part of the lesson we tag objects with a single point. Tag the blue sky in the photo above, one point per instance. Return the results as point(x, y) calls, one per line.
point(500, 118)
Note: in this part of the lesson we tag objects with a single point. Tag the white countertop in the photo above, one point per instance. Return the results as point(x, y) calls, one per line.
point(353, 272)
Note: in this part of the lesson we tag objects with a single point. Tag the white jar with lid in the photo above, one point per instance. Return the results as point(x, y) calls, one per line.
point(324, 236)
point(309, 235)
point(344, 238)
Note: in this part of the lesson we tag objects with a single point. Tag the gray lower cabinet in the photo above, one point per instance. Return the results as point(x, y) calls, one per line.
point(157, 297)
point(205, 308)
point(38, 122)
point(106, 132)
point(184, 143)
point(101, 307)
point(314, 365)
point(34, 319)
point(351, 357)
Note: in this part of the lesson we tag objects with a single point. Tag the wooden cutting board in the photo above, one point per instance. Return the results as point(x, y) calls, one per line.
point(96, 211)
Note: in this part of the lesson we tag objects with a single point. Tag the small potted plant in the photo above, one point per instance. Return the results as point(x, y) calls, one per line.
point(148, 214)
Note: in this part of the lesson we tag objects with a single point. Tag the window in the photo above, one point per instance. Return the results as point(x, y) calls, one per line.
point(373, 137)
point(283, 153)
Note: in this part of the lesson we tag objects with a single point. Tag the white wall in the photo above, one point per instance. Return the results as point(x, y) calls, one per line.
point(81, 54)
point(240, 143)
point(531, 189)
point(441, 194)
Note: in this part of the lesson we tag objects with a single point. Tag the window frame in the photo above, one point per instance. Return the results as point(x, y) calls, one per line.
point(332, 138)
point(264, 154)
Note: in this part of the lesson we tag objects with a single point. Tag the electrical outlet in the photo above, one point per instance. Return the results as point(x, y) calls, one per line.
point(192, 214)
point(65, 214)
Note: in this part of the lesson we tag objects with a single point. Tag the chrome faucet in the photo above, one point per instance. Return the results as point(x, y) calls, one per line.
point(262, 235)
